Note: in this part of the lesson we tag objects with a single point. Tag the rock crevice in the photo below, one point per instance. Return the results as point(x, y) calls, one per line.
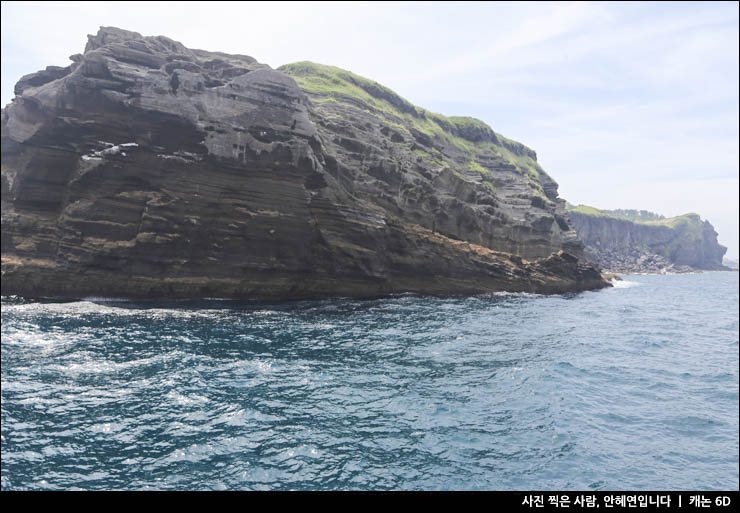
point(149, 170)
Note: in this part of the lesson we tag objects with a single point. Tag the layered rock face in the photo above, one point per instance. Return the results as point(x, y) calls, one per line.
point(149, 170)
point(679, 244)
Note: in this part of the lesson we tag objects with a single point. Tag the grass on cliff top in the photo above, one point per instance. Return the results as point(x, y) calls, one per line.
point(691, 219)
point(635, 215)
point(689, 225)
point(464, 122)
point(334, 83)
point(587, 211)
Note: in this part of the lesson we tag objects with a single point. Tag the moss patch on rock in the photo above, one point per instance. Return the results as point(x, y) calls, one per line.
point(469, 136)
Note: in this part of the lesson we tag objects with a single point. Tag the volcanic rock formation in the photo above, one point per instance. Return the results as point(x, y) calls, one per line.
point(619, 241)
point(149, 170)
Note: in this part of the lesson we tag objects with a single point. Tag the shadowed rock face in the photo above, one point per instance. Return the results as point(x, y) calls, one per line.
point(149, 170)
point(679, 244)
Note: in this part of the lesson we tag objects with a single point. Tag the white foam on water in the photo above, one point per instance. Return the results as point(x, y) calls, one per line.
point(624, 284)
point(103, 306)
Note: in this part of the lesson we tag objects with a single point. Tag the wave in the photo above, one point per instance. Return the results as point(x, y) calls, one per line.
point(624, 284)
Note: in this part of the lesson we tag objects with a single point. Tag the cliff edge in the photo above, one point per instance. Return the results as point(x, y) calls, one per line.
point(149, 170)
point(640, 241)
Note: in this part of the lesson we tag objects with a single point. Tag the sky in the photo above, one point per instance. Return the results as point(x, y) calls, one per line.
point(628, 105)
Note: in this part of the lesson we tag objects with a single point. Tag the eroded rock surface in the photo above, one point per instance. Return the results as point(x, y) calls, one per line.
point(149, 170)
point(674, 245)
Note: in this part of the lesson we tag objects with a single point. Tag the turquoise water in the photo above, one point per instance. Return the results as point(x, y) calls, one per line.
point(634, 387)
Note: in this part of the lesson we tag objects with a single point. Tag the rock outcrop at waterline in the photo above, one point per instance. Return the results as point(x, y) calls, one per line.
point(149, 170)
point(642, 242)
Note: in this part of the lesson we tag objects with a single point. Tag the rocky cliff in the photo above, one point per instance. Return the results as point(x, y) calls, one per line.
point(146, 169)
point(631, 241)
point(731, 263)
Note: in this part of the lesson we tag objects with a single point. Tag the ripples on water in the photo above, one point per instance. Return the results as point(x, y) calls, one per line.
point(629, 388)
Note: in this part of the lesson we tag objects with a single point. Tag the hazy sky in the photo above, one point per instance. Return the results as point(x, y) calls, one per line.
point(628, 105)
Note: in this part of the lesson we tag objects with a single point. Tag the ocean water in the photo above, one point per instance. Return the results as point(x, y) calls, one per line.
point(634, 387)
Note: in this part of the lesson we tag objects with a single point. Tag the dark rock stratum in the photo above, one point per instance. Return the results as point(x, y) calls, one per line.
point(149, 170)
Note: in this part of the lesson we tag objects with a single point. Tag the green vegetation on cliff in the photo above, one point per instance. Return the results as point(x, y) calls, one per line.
point(690, 225)
point(586, 210)
point(691, 220)
point(635, 215)
point(616, 238)
point(469, 136)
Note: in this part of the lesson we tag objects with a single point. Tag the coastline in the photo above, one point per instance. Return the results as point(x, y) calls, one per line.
point(668, 273)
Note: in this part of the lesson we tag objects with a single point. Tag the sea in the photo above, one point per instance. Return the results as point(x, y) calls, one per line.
point(629, 388)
